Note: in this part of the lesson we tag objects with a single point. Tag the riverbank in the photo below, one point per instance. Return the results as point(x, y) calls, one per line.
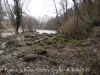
point(47, 54)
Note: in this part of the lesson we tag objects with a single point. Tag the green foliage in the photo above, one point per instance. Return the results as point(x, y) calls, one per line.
point(51, 42)
point(83, 44)
point(72, 40)
point(87, 27)
point(60, 39)
point(80, 71)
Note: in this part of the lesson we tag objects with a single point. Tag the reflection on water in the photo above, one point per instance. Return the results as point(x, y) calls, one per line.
point(6, 34)
point(39, 31)
point(46, 31)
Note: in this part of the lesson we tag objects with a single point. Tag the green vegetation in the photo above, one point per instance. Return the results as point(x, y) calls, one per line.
point(72, 40)
point(51, 42)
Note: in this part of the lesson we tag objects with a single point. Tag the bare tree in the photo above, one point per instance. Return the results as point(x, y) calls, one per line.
point(64, 4)
point(29, 23)
point(77, 12)
point(57, 13)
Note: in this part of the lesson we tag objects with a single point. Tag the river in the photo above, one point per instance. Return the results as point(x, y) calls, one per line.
point(38, 30)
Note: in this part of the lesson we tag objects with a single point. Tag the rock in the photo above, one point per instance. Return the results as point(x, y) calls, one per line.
point(2, 62)
point(5, 57)
point(20, 55)
point(51, 42)
point(41, 52)
point(29, 43)
point(1, 38)
point(58, 46)
point(20, 64)
point(12, 41)
point(53, 62)
point(1, 51)
point(30, 57)
point(33, 46)
point(3, 45)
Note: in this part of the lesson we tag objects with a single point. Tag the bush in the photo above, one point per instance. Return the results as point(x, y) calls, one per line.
point(71, 28)
point(87, 27)
point(77, 29)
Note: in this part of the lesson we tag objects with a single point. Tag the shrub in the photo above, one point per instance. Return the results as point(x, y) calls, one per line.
point(87, 27)
point(71, 28)
point(77, 29)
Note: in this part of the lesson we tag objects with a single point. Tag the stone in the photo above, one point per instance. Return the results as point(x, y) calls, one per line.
point(41, 52)
point(20, 64)
point(20, 55)
point(29, 43)
point(1, 51)
point(30, 57)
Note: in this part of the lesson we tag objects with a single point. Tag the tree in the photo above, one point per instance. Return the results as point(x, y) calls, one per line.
point(2, 14)
point(29, 23)
point(18, 15)
point(77, 12)
point(96, 12)
point(57, 13)
point(64, 5)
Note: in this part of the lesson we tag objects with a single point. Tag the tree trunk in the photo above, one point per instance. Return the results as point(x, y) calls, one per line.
point(90, 9)
point(77, 10)
point(57, 13)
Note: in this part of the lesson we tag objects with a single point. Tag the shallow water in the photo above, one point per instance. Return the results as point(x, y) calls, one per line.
point(46, 31)
point(6, 34)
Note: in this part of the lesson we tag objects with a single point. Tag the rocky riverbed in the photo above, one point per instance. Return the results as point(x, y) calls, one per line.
point(46, 54)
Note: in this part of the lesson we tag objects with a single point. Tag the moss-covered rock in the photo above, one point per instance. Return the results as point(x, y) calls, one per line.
point(2, 62)
point(60, 39)
point(51, 42)
point(41, 52)
point(12, 41)
point(33, 46)
point(21, 55)
point(29, 43)
point(58, 46)
point(1, 38)
point(20, 64)
point(53, 62)
point(30, 57)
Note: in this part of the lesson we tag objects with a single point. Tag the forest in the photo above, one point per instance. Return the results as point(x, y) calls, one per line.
point(65, 44)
